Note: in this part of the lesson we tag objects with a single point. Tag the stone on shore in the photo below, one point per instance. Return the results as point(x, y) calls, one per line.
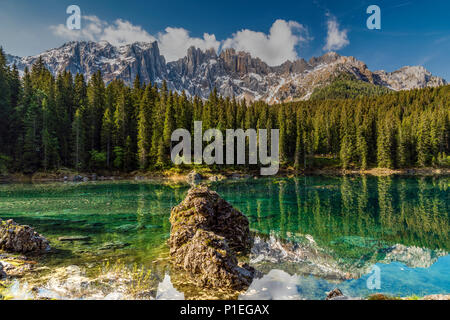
point(194, 177)
point(216, 178)
point(206, 234)
point(21, 239)
point(334, 294)
point(437, 297)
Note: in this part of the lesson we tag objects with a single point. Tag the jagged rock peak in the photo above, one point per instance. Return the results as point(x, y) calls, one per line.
point(328, 57)
point(232, 73)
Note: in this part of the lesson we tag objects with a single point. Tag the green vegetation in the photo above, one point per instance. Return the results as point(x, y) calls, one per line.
point(49, 123)
point(136, 279)
point(345, 87)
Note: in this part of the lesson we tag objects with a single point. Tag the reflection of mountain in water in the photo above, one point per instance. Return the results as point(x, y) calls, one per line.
point(305, 257)
point(413, 257)
point(166, 291)
point(302, 269)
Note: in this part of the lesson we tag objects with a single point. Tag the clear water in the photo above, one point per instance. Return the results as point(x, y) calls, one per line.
point(354, 222)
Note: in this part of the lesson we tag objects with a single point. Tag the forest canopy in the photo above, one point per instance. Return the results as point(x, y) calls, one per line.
point(67, 121)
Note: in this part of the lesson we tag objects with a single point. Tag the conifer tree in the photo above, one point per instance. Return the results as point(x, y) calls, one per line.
point(48, 122)
point(78, 139)
point(144, 140)
point(108, 135)
point(169, 128)
point(49, 140)
point(5, 106)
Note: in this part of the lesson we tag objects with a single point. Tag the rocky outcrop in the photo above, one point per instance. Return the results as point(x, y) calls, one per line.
point(211, 262)
point(206, 234)
point(87, 57)
point(21, 239)
point(408, 78)
point(2, 273)
point(334, 294)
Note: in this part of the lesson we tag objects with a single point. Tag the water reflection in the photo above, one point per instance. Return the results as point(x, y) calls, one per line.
point(166, 290)
point(276, 285)
point(312, 233)
point(411, 211)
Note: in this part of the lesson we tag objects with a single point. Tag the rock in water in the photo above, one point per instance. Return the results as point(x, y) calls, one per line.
point(205, 209)
point(206, 234)
point(74, 238)
point(21, 239)
point(334, 294)
point(211, 262)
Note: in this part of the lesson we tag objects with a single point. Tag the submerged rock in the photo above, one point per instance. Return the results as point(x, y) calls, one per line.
point(114, 246)
point(21, 239)
point(74, 238)
point(206, 234)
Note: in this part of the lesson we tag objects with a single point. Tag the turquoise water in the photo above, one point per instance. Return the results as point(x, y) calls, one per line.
point(343, 226)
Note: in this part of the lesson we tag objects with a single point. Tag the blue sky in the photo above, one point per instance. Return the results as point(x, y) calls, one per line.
point(413, 32)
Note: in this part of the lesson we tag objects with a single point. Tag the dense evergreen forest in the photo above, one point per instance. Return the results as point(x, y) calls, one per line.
point(48, 123)
point(348, 87)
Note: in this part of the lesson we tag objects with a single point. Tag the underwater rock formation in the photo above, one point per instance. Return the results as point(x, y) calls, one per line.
point(206, 234)
point(21, 239)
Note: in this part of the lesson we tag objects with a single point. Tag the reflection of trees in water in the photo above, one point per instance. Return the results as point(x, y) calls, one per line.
point(358, 211)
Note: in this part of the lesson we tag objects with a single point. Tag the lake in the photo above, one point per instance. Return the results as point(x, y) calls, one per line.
point(312, 234)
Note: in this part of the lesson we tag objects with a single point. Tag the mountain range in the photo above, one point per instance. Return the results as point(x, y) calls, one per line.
point(232, 73)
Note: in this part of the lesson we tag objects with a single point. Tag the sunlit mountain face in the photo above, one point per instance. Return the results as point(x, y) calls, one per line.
point(231, 73)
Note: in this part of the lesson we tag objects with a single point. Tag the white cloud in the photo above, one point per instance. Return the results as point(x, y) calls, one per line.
point(175, 42)
point(93, 29)
point(123, 32)
point(336, 39)
point(273, 48)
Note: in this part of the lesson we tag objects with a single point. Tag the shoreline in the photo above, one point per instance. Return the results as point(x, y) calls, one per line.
point(179, 175)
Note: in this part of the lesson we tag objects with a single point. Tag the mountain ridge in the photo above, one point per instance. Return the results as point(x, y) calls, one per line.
point(232, 73)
